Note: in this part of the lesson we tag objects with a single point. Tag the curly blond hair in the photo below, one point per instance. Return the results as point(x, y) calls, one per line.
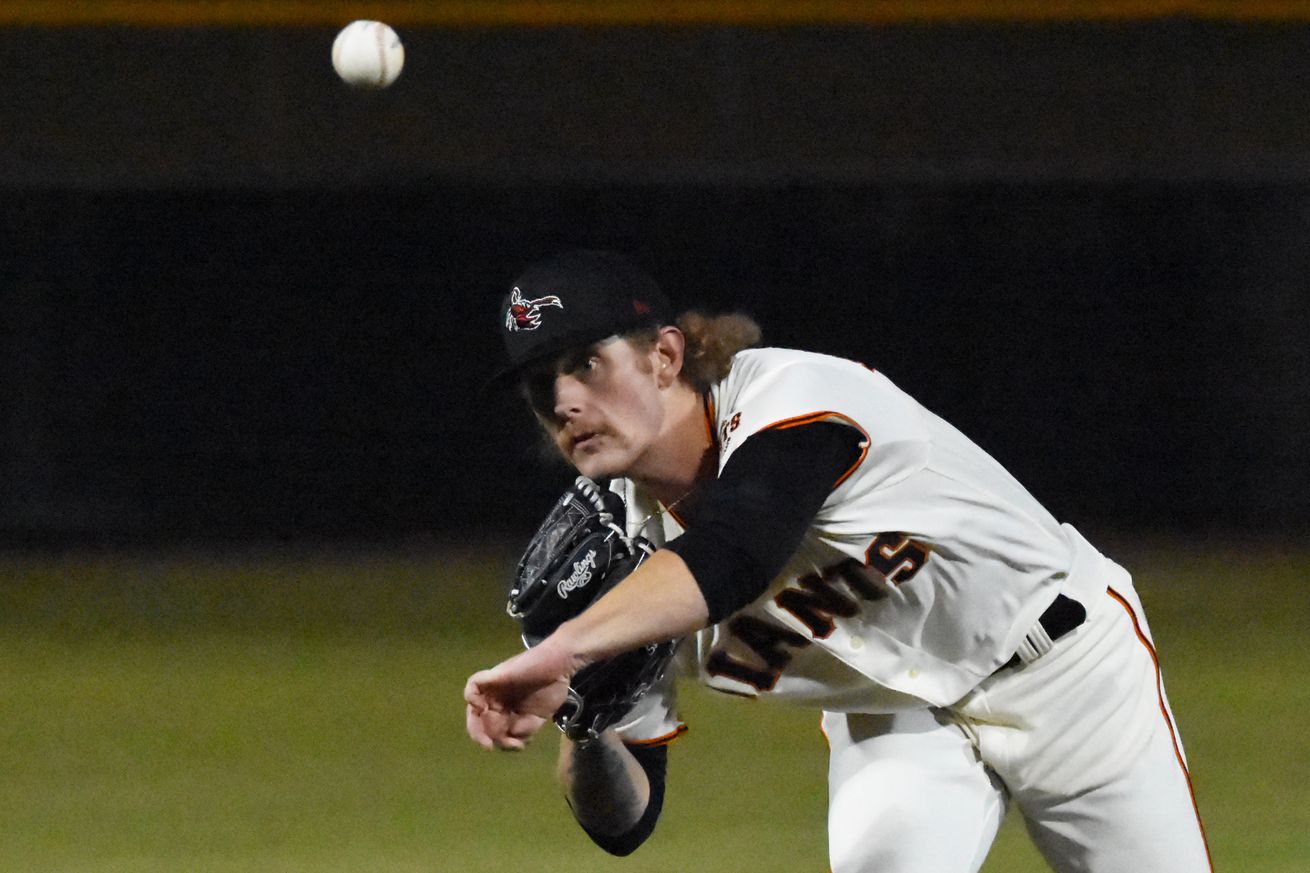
point(712, 340)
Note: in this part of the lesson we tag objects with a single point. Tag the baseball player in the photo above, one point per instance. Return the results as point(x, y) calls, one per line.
point(825, 540)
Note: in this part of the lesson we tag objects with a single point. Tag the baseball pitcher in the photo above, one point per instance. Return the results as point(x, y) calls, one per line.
point(788, 526)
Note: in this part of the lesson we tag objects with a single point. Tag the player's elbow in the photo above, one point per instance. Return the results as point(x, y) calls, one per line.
point(619, 831)
point(625, 820)
point(625, 843)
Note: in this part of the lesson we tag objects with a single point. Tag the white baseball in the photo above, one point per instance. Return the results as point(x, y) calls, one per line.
point(368, 54)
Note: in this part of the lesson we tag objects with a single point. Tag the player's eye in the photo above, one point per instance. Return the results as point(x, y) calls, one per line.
point(582, 363)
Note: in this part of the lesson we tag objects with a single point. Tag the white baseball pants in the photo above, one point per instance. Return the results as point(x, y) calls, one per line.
point(1081, 741)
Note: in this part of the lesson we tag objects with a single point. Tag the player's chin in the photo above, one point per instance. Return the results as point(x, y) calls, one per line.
point(598, 465)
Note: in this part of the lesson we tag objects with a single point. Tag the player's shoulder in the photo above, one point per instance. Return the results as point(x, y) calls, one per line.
point(778, 356)
point(772, 361)
point(780, 371)
point(773, 387)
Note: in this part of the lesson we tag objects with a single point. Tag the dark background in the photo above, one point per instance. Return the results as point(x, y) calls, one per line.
point(243, 301)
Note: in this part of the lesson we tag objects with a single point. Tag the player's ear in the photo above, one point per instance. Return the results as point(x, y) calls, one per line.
point(670, 346)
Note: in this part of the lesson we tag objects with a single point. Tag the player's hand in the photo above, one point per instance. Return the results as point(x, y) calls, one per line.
point(509, 703)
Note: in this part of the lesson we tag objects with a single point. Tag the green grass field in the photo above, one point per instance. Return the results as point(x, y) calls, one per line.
point(264, 710)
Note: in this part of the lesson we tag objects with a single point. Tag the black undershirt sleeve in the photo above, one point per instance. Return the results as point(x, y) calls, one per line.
point(654, 760)
point(749, 521)
point(744, 527)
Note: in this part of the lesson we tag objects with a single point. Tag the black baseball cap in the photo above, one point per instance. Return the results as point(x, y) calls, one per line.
point(574, 299)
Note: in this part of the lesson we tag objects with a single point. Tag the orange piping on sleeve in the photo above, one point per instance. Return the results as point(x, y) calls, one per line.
point(813, 417)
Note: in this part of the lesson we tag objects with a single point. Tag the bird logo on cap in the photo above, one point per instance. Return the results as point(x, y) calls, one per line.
point(526, 314)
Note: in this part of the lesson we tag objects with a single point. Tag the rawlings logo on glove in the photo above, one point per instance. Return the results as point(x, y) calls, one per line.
point(581, 541)
point(581, 575)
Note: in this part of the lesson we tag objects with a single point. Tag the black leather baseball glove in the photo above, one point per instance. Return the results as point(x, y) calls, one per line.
point(580, 552)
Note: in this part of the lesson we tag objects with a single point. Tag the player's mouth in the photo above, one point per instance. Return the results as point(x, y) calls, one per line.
point(587, 439)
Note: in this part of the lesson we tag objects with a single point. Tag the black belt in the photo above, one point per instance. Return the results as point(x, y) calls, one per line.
point(1063, 615)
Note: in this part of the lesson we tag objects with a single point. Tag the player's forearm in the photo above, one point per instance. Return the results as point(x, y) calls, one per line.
point(606, 787)
point(660, 601)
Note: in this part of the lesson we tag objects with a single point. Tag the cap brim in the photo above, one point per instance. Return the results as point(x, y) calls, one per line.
point(505, 377)
point(585, 336)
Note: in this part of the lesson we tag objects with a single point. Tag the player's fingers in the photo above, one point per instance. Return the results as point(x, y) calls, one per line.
point(476, 731)
point(495, 728)
point(475, 708)
point(473, 694)
point(522, 727)
point(512, 744)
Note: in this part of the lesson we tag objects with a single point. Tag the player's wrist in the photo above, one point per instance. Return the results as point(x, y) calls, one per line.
point(562, 648)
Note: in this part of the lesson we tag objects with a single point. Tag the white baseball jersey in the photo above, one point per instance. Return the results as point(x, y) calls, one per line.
point(918, 578)
point(923, 572)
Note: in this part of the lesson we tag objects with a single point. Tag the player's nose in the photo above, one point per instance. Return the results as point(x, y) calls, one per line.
point(570, 395)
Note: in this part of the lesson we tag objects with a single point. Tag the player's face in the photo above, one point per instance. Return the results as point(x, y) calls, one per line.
point(601, 405)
